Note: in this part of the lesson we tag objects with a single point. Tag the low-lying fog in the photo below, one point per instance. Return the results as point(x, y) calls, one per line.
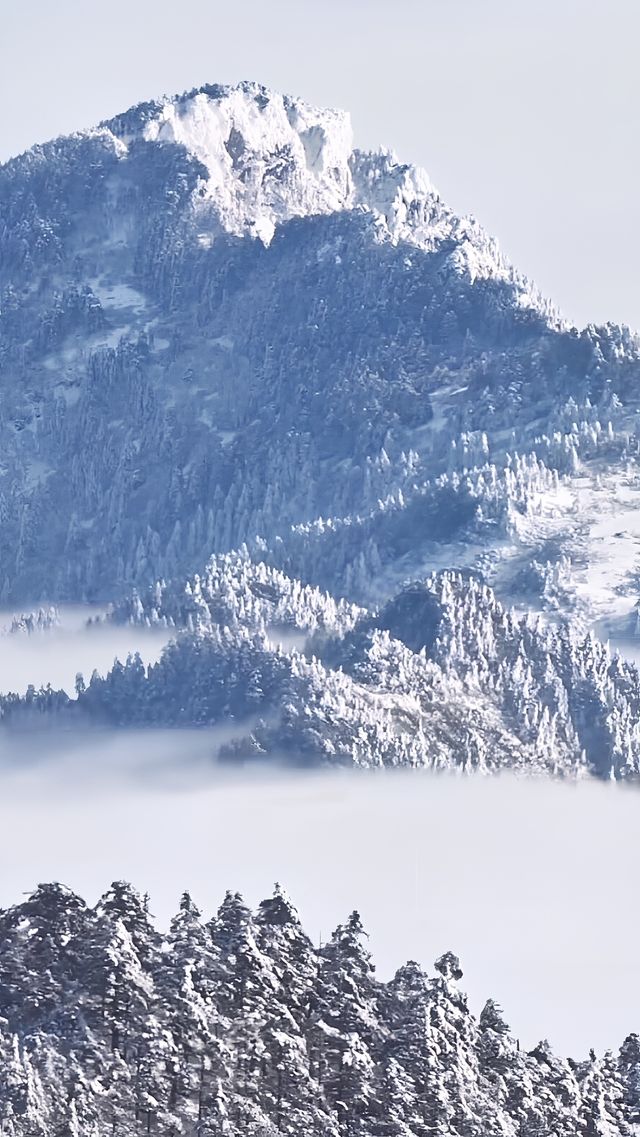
point(57, 655)
point(533, 884)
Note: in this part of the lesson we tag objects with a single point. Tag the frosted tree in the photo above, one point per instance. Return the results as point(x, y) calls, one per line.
point(347, 1031)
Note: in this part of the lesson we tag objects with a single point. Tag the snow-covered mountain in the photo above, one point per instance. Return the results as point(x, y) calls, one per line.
point(216, 318)
point(241, 1026)
point(224, 329)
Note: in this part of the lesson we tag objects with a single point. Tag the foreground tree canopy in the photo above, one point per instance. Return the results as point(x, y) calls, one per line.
point(240, 1025)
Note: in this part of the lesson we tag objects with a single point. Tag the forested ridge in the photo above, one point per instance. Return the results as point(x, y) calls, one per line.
point(441, 676)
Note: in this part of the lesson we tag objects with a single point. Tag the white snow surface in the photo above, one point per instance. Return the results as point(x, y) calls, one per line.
point(270, 158)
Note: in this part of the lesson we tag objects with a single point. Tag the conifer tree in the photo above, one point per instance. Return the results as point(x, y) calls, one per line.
point(347, 1030)
point(242, 1027)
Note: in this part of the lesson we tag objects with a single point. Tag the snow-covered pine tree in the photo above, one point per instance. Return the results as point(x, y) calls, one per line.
point(347, 1032)
point(241, 1027)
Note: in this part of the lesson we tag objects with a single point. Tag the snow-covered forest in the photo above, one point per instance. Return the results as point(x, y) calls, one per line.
point(241, 1025)
point(271, 394)
point(441, 676)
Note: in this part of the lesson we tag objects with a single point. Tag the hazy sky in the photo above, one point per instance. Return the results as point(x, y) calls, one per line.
point(532, 884)
point(523, 113)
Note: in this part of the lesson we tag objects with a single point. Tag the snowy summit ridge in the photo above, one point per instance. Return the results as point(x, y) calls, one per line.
point(267, 158)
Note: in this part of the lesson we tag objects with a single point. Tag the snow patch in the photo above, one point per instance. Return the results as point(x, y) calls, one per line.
point(119, 296)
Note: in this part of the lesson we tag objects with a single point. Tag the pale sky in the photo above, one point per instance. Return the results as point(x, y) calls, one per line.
point(523, 113)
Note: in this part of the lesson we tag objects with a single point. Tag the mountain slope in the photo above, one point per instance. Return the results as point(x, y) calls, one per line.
point(224, 331)
point(218, 321)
